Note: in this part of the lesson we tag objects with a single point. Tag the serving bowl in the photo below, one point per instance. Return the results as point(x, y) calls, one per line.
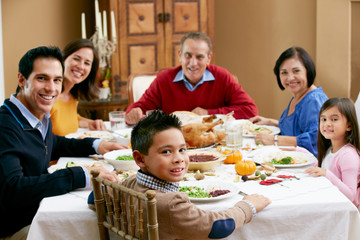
point(204, 159)
point(125, 165)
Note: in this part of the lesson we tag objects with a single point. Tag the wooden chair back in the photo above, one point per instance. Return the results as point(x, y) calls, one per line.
point(121, 210)
point(137, 85)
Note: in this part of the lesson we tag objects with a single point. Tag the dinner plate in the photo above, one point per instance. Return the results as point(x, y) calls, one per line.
point(91, 134)
point(211, 185)
point(274, 130)
point(267, 154)
point(81, 163)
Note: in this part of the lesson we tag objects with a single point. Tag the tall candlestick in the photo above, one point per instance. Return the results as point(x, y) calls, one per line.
point(113, 27)
point(97, 20)
point(105, 25)
point(83, 26)
point(100, 26)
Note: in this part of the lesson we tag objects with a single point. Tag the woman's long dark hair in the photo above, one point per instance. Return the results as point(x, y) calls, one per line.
point(346, 108)
point(86, 90)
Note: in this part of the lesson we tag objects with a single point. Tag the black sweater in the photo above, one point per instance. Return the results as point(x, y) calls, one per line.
point(24, 159)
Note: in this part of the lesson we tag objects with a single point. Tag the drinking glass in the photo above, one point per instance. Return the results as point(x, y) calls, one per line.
point(117, 120)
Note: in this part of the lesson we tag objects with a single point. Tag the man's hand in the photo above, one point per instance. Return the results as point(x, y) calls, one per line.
point(259, 201)
point(134, 116)
point(200, 111)
point(111, 176)
point(105, 147)
point(97, 124)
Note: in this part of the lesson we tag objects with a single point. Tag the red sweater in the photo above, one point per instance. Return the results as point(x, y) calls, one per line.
point(221, 96)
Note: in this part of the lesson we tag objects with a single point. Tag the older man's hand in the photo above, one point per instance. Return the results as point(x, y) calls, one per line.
point(200, 111)
point(134, 116)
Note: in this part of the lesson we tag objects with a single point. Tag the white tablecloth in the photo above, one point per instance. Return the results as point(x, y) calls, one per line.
point(309, 208)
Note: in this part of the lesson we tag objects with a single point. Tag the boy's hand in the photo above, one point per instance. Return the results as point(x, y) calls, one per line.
point(259, 201)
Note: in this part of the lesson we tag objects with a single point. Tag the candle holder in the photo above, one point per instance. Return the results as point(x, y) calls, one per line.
point(105, 50)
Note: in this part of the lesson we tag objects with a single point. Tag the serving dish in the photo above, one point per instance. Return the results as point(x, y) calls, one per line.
point(205, 165)
point(105, 135)
point(110, 157)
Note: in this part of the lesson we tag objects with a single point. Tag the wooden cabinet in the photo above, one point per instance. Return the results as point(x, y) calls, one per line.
point(99, 109)
point(149, 32)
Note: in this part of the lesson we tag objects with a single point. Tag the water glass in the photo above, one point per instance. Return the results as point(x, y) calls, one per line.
point(234, 136)
point(117, 120)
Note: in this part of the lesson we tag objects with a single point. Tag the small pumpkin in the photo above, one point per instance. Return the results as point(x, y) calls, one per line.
point(247, 167)
point(233, 158)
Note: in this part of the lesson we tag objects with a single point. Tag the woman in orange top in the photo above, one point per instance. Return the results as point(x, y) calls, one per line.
point(81, 63)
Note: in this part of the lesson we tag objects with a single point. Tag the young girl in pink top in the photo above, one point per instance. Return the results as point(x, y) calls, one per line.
point(338, 147)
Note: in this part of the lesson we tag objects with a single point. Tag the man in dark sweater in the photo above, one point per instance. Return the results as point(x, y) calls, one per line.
point(27, 144)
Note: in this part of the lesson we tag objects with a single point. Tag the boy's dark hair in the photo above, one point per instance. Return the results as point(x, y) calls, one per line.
point(347, 109)
point(26, 63)
point(304, 57)
point(143, 133)
point(86, 90)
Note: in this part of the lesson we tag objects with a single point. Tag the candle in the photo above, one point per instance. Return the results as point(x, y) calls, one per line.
point(97, 22)
point(113, 27)
point(100, 31)
point(105, 25)
point(83, 26)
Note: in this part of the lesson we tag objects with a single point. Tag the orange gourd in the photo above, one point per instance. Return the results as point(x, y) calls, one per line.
point(233, 158)
point(247, 167)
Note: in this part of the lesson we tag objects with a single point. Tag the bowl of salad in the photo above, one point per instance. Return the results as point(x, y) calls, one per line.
point(121, 159)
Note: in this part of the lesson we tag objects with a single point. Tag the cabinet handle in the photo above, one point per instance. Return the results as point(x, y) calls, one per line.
point(164, 17)
point(186, 16)
point(141, 17)
point(142, 60)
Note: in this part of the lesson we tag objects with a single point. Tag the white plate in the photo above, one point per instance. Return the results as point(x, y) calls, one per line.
point(266, 154)
point(274, 130)
point(121, 164)
point(211, 185)
point(81, 163)
point(92, 134)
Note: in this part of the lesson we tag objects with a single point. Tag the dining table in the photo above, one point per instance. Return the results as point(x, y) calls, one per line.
point(302, 206)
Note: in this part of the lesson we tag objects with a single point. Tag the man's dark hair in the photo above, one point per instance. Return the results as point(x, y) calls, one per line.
point(143, 133)
point(26, 64)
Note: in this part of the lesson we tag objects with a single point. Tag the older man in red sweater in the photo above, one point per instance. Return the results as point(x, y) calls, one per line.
point(194, 86)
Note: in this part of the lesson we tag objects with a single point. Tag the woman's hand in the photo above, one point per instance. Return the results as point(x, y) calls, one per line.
point(264, 121)
point(97, 124)
point(316, 171)
point(264, 138)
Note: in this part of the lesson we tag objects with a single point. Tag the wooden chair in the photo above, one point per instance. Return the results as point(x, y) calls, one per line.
point(120, 210)
point(137, 85)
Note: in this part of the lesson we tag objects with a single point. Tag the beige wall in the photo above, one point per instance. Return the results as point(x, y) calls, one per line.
point(251, 34)
point(32, 23)
point(249, 37)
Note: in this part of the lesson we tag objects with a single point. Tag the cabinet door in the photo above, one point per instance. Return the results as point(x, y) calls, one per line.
point(150, 33)
point(186, 16)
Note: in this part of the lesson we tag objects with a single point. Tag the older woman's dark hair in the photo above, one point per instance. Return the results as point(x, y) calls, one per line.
point(86, 90)
point(304, 57)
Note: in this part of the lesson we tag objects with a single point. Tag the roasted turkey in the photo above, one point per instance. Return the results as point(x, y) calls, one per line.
point(198, 135)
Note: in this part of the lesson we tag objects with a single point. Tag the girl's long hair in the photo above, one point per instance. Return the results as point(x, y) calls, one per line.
point(346, 108)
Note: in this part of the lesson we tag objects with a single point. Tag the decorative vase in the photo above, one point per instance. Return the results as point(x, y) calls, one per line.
point(104, 93)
